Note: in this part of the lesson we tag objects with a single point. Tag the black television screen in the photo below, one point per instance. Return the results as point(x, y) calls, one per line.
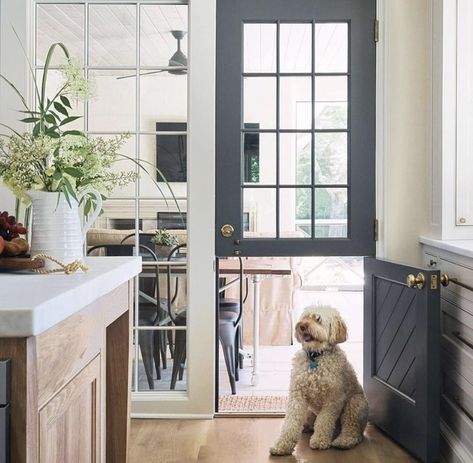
point(171, 151)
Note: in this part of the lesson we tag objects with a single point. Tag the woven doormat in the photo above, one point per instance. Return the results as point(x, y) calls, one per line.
point(252, 403)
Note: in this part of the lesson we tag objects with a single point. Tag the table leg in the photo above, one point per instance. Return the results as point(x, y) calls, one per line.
point(256, 280)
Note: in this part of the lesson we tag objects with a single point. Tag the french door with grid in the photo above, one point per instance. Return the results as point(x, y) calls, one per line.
point(295, 127)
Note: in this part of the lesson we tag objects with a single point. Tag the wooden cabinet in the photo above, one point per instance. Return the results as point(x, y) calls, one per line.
point(69, 424)
point(71, 386)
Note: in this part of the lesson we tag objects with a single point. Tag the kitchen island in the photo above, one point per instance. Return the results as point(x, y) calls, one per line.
point(68, 339)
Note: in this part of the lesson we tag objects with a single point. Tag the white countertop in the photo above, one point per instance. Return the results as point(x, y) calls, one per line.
point(460, 247)
point(31, 303)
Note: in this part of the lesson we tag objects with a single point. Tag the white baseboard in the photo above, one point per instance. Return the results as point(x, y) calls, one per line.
point(451, 447)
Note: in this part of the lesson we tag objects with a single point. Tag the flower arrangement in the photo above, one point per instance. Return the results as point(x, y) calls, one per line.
point(164, 238)
point(51, 157)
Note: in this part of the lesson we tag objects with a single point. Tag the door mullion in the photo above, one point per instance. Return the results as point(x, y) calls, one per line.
point(312, 136)
point(278, 196)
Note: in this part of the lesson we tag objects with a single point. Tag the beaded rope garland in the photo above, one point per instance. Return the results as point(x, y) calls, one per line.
point(66, 268)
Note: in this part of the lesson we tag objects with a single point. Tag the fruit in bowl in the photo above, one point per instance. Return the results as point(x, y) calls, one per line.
point(10, 242)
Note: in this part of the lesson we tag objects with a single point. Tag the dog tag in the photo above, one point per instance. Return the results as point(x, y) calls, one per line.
point(313, 365)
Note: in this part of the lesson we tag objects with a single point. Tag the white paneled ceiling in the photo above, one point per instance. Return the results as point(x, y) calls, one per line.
point(112, 32)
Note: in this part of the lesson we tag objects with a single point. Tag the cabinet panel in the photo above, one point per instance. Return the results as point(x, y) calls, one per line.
point(69, 424)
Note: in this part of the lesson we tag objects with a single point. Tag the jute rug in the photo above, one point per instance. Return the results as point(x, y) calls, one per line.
point(252, 403)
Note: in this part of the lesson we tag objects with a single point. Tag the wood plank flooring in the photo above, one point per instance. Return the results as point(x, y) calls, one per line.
point(244, 440)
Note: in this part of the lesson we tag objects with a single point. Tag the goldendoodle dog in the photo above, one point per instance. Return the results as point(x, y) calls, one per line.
point(325, 395)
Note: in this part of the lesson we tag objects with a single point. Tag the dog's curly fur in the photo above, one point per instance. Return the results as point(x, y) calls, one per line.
point(326, 397)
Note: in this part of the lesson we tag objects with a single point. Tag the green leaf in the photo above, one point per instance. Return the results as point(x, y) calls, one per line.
point(67, 120)
point(74, 171)
point(57, 174)
point(30, 119)
point(36, 129)
point(50, 118)
point(65, 101)
point(87, 207)
point(73, 132)
point(60, 108)
point(52, 134)
point(69, 188)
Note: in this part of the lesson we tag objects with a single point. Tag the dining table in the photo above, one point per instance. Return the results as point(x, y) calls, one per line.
point(256, 269)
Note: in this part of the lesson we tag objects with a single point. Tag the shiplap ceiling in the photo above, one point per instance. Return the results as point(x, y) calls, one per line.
point(112, 38)
point(112, 32)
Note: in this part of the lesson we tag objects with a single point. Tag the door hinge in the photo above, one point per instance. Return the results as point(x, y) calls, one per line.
point(376, 229)
point(376, 30)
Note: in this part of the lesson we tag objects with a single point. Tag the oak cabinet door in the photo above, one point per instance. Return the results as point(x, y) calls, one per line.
point(69, 424)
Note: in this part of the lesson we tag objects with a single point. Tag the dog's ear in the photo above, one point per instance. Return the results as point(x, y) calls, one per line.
point(339, 330)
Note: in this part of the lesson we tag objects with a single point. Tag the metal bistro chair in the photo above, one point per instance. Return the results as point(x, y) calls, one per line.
point(178, 319)
point(150, 307)
point(230, 313)
point(160, 340)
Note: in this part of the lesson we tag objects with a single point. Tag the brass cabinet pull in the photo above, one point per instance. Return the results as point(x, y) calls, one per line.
point(446, 280)
point(413, 281)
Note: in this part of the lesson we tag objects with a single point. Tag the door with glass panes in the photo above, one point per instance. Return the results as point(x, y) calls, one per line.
point(295, 128)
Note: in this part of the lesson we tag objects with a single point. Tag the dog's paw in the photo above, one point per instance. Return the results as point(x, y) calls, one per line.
point(280, 449)
point(346, 442)
point(319, 443)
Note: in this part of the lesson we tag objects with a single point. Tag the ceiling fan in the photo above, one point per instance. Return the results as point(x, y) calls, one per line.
point(177, 63)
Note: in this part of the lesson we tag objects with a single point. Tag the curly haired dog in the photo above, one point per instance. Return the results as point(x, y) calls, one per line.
point(324, 388)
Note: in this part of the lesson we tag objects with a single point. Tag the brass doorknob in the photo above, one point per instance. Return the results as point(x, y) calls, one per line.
point(227, 230)
point(444, 279)
point(413, 281)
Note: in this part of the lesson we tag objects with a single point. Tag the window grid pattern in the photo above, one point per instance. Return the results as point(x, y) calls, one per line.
point(137, 132)
point(278, 130)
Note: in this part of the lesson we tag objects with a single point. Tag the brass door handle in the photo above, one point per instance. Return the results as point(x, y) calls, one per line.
point(414, 281)
point(444, 279)
point(227, 230)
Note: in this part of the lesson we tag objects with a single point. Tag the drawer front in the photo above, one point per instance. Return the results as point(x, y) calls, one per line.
point(458, 421)
point(457, 324)
point(453, 291)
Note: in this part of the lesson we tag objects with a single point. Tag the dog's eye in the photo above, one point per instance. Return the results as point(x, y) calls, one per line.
point(318, 318)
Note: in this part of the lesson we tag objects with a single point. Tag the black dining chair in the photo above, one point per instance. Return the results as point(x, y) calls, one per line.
point(162, 339)
point(178, 319)
point(149, 311)
point(230, 312)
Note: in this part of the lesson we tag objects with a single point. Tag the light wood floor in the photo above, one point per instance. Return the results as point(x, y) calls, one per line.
point(244, 440)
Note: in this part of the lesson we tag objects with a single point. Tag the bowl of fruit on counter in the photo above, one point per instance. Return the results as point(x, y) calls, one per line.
point(13, 248)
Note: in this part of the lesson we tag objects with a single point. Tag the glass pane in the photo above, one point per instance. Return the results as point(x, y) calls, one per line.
point(163, 99)
point(259, 48)
point(295, 47)
point(331, 213)
point(113, 106)
point(157, 42)
point(112, 35)
point(59, 23)
point(116, 222)
point(295, 158)
point(55, 81)
point(123, 165)
point(168, 153)
point(331, 47)
point(295, 103)
point(331, 102)
point(259, 158)
point(259, 212)
point(259, 101)
point(331, 155)
point(156, 367)
point(295, 212)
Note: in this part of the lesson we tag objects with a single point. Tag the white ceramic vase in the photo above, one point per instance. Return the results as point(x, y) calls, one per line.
point(57, 228)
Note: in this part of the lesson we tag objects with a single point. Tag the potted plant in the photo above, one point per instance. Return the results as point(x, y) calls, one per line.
point(164, 242)
point(58, 170)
